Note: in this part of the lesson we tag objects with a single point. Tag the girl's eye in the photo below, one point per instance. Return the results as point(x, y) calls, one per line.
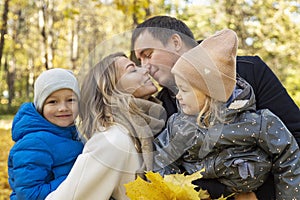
point(180, 89)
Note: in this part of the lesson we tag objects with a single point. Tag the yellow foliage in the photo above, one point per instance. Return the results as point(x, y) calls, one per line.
point(171, 187)
point(5, 145)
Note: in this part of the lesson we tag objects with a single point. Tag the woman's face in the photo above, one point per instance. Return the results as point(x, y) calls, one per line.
point(134, 80)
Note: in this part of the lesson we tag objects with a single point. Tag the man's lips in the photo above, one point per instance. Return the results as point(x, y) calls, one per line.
point(148, 82)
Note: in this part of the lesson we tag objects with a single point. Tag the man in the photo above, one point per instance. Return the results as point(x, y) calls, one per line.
point(158, 43)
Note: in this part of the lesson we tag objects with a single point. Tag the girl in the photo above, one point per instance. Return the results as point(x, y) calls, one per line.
point(119, 125)
point(219, 129)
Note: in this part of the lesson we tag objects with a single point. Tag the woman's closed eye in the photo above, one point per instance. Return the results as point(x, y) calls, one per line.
point(131, 68)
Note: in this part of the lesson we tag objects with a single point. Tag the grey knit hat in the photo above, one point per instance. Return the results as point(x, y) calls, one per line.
point(52, 80)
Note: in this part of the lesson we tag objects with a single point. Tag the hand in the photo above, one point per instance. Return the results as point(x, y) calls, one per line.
point(246, 196)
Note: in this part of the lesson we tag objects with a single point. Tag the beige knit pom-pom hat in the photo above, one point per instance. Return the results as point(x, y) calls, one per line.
point(211, 66)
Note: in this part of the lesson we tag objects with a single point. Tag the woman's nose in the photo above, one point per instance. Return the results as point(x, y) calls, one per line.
point(144, 70)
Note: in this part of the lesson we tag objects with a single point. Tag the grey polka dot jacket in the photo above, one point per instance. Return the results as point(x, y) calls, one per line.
point(240, 154)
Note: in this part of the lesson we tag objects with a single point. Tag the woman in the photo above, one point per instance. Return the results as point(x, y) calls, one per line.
point(119, 124)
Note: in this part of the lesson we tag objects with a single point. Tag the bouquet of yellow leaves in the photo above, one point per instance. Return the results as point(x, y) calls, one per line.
point(169, 187)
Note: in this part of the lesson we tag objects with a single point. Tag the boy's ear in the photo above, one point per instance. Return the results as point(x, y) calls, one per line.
point(176, 41)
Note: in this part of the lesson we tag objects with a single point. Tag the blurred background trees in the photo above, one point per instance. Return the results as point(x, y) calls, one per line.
point(36, 35)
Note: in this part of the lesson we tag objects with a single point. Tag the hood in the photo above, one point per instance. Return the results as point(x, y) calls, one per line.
point(29, 120)
point(242, 98)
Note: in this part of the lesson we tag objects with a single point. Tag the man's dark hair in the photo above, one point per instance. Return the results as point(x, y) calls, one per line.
point(162, 28)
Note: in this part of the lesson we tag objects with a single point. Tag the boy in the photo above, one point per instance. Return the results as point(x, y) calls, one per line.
point(47, 142)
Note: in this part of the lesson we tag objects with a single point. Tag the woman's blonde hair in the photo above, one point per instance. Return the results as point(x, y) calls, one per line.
point(100, 94)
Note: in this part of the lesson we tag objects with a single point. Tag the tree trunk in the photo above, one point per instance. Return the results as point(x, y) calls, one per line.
point(74, 43)
point(46, 10)
point(3, 27)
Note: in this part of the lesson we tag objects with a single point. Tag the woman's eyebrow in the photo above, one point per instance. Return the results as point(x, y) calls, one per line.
point(129, 65)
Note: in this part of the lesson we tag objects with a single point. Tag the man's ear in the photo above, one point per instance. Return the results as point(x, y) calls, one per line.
point(176, 41)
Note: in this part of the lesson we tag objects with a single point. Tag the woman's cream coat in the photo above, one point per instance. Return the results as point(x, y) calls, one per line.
point(109, 160)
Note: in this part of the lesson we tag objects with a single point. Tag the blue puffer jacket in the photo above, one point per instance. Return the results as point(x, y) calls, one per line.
point(42, 156)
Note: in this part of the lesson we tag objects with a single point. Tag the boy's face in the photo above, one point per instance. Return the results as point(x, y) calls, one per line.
point(61, 107)
point(156, 57)
point(191, 100)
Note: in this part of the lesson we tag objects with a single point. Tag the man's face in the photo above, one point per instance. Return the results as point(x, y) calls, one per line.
point(156, 57)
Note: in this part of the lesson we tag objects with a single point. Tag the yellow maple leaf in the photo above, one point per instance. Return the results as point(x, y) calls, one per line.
point(171, 187)
point(183, 180)
point(156, 189)
point(181, 185)
point(203, 194)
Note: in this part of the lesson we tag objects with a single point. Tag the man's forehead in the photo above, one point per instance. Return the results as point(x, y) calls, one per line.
point(146, 41)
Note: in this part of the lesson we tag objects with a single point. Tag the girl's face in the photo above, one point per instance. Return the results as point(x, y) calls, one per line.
point(134, 80)
point(191, 100)
point(61, 107)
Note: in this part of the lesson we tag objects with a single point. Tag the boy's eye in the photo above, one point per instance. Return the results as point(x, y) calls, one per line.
point(72, 100)
point(51, 101)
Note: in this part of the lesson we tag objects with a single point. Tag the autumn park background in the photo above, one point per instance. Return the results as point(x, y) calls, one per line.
point(36, 35)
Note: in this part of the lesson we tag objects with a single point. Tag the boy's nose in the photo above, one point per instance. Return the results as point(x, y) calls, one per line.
point(62, 107)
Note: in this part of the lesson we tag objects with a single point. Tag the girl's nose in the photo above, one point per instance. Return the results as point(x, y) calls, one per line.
point(178, 96)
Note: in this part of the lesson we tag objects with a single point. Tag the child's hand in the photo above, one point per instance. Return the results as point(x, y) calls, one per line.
point(246, 196)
